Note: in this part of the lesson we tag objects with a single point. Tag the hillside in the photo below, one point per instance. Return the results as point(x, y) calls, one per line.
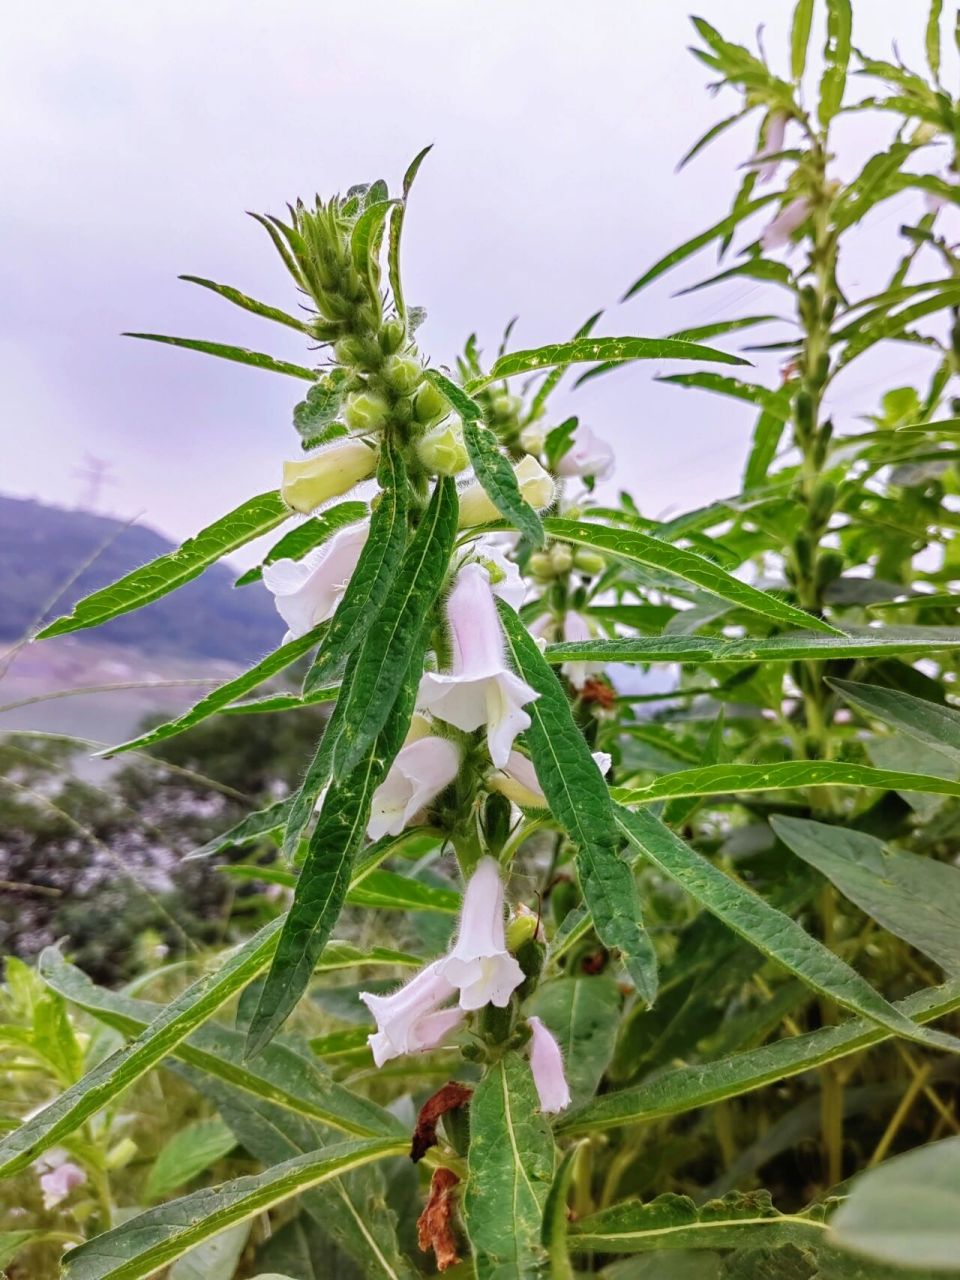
point(41, 548)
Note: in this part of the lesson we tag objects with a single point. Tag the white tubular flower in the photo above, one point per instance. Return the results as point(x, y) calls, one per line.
point(778, 232)
point(503, 573)
point(575, 630)
point(588, 455)
point(546, 1065)
point(59, 1182)
point(480, 965)
point(533, 437)
point(327, 474)
point(772, 146)
point(307, 591)
point(479, 690)
point(518, 780)
point(422, 770)
point(412, 1020)
point(536, 487)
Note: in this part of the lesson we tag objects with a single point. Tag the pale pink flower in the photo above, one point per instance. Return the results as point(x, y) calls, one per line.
point(412, 1019)
point(588, 455)
point(546, 1064)
point(480, 965)
point(59, 1182)
point(422, 770)
point(772, 146)
point(479, 689)
point(307, 592)
point(575, 630)
point(502, 572)
point(778, 232)
point(518, 781)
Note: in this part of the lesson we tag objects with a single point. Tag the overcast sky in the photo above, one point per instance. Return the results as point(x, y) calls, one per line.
point(133, 137)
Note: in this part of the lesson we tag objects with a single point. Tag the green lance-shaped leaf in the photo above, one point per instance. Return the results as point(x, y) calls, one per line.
point(578, 798)
point(538, 403)
point(763, 448)
point(282, 702)
point(510, 1165)
point(240, 355)
point(186, 1155)
point(738, 1221)
point(152, 1240)
point(929, 722)
point(352, 1210)
point(684, 1089)
point(932, 37)
point(398, 638)
point(731, 779)
point(800, 38)
point(281, 1074)
point(249, 304)
point(771, 931)
point(375, 570)
point(225, 694)
point(257, 516)
point(906, 1212)
point(591, 350)
point(774, 403)
point(836, 56)
point(396, 231)
point(365, 242)
point(111, 1077)
point(553, 1232)
point(326, 872)
point(311, 533)
point(391, 891)
point(722, 228)
point(914, 897)
point(254, 826)
point(861, 643)
point(492, 468)
point(640, 548)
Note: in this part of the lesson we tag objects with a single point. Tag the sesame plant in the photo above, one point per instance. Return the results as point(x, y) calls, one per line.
point(616, 973)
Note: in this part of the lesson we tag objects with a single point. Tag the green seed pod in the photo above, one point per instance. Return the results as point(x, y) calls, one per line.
point(496, 821)
point(822, 370)
point(829, 569)
point(365, 411)
point(521, 929)
point(829, 309)
point(807, 304)
point(531, 957)
point(403, 373)
point(803, 414)
point(496, 1024)
point(822, 443)
point(563, 898)
point(822, 503)
point(803, 551)
point(392, 335)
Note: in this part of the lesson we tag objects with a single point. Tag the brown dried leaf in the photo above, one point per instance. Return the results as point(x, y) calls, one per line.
point(452, 1095)
point(434, 1230)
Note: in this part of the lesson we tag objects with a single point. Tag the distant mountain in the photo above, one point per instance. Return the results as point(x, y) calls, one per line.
point(42, 547)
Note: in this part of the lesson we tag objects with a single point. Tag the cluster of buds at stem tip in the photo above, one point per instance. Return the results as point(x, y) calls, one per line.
point(477, 971)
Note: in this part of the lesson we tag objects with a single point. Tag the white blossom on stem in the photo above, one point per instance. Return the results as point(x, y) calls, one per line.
point(518, 781)
point(307, 592)
point(334, 470)
point(588, 455)
point(536, 487)
point(577, 629)
point(479, 689)
point(421, 770)
point(546, 1066)
point(778, 231)
point(479, 965)
point(412, 1019)
point(772, 146)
